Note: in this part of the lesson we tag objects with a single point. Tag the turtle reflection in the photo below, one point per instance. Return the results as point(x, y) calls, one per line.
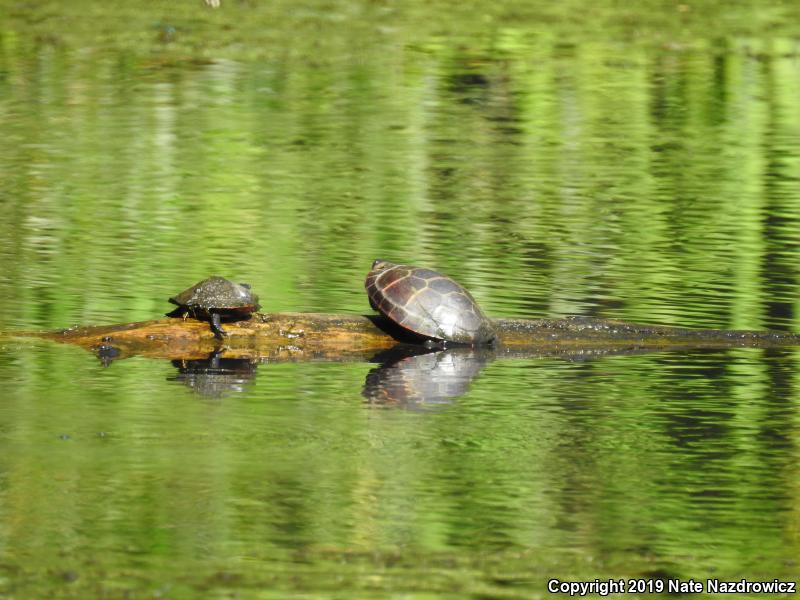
point(107, 354)
point(215, 377)
point(416, 376)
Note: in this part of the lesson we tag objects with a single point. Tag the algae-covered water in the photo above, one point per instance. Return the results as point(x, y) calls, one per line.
point(637, 162)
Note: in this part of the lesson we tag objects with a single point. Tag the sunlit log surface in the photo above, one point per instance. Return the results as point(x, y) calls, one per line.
point(308, 336)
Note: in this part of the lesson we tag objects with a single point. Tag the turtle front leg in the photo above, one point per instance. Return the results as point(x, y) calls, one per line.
point(216, 326)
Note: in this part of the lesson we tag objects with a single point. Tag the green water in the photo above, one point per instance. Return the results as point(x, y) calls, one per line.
point(638, 161)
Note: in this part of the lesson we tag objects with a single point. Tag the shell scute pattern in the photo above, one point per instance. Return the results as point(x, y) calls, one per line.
point(426, 274)
point(459, 302)
point(417, 283)
point(395, 275)
point(427, 303)
point(441, 285)
point(429, 300)
point(217, 293)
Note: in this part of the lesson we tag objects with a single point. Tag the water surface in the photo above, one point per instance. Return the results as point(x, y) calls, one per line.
point(638, 164)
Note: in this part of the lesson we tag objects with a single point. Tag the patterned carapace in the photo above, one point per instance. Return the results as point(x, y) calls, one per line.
point(215, 299)
point(427, 303)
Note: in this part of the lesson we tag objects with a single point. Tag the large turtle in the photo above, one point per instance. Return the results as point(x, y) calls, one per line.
point(213, 299)
point(427, 303)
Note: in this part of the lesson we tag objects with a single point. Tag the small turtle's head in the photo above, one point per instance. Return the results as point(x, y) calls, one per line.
point(382, 265)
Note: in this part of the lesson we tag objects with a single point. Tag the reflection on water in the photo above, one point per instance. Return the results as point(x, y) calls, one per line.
point(645, 184)
point(215, 377)
point(417, 377)
point(638, 163)
point(107, 354)
point(616, 464)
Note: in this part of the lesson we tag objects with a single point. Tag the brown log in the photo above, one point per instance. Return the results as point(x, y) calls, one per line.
point(304, 336)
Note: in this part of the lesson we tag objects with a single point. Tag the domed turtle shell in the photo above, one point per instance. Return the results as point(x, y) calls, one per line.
point(427, 303)
point(219, 295)
point(213, 299)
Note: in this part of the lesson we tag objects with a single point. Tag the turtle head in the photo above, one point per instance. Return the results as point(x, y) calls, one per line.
point(382, 265)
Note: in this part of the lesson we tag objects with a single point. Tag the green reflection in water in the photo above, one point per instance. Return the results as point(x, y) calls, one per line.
point(672, 464)
point(637, 163)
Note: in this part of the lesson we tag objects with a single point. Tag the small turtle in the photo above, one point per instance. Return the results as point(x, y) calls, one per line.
point(215, 298)
point(427, 303)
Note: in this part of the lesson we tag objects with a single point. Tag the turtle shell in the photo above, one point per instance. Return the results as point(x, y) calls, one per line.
point(218, 294)
point(427, 303)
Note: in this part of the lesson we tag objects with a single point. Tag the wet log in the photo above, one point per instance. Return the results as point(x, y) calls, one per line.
point(304, 336)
